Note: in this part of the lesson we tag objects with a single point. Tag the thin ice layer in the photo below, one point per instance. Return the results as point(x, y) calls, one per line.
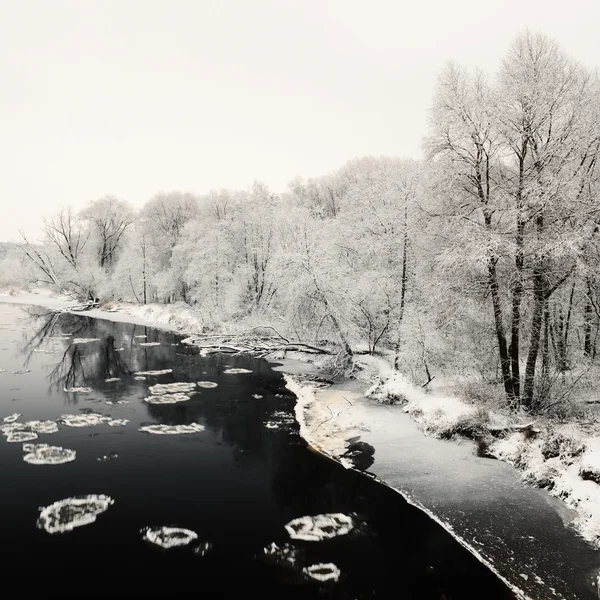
point(169, 537)
point(69, 513)
point(43, 454)
point(320, 527)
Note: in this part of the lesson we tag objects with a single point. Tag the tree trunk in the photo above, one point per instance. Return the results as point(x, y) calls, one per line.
point(402, 290)
point(587, 323)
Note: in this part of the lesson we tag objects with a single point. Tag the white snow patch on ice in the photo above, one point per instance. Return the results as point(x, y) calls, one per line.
point(236, 371)
point(78, 390)
point(172, 388)
point(167, 398)
point(323, 572)
point(169, 537)
point(111, 379)
point(172, 429)
point(84, 420)
point(42, 454)
point(150, 344)
point(154, 373)
point(69, 513)
point(320, 527)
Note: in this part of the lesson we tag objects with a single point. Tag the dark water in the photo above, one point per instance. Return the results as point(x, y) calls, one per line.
point(236, 484)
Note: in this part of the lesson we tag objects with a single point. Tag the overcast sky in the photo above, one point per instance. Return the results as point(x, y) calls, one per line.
point(131, 97)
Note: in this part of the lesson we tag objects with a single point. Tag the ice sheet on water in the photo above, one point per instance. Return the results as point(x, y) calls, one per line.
point(322, 572)
point(168, 537)
point(111, 379)
point(11, 418)
point(78, 390)
point(172, 388)
point(147, 344)
point(69, 513)
point(154, 373)
point(167, 398)
point(85, 340)
point(43, 454)
point(21, 435)
point(20, 372)
point(320, 527)
point(86, 420)
point(172, 429)
point(236, 371)
point(113, 402)
point(42, 426)
point(140, 378)
point(207, 384)
point(117, 422)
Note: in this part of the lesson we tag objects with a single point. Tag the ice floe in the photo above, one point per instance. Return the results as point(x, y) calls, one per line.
point(140, 378)
point(117, 422)
point(320, 527)
point(236, 371)
point(108, 457)
point(78, 390)
point(150, 344)
point(141, 337)
point(69, 513)
point(154, 373)
point(85, 420)
point(322, 572)
point(113, 402)
point(172, 429)
point(111, 379)
point(21, 372)
point(21, 435)
point(42, 454)
point(11, 418)
point(207, 384)
point(168, 537)
point(42, 426)
point(284, 553)
point(256, 396)
point(203, 549)
point(172, 388)
point(85, 340)
point(167, 398)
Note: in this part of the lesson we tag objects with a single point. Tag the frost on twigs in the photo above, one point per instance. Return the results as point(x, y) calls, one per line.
point(168, 537)
point(320, 527)
point(78, 390)
point(172, 429)
point(207, 384)
point(42, 454)
point(172, 388)
point(85, 340)
point(236, 371)
point(154, 373)
point(167, 398)
point(87, 420)
point(322, 572)
point(69, 513)
point(11, 418)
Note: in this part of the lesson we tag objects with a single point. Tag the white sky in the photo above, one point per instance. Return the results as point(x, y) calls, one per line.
point(129, 97)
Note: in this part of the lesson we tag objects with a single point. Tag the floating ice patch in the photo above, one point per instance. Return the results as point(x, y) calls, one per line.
point(21, 372)
point(42, 426)
point(150, 344)
point(320, 527)
point(272, 425)
point(119, 349)
point(141, 337)
point(168, 537)
point(154, 373)
point(42, 454)
point(78, 390)
point(21, 435)
point(236, 371)
point(203, 549)
point(11, 418)
point(85, 340)
point(207, 384)
point(117, 422)
point(322, 572)
point(113, 402)
point(171, 388)
point(69, 513)
point(108, 457)
point(139, 378)
point(172, 429)
point(2, 370)
point(87, 420)
point(111, 379)
point(256, 396)
point(167, 398)
point(285, 553)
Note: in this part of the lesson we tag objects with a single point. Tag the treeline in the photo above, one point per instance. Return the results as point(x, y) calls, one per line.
point(483, 258)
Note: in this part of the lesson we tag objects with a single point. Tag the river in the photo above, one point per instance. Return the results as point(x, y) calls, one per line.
point(234, 479)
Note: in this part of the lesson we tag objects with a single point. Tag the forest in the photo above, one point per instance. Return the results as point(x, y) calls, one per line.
point(478, 264)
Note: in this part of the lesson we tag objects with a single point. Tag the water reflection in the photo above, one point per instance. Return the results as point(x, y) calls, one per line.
point(236, 484)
